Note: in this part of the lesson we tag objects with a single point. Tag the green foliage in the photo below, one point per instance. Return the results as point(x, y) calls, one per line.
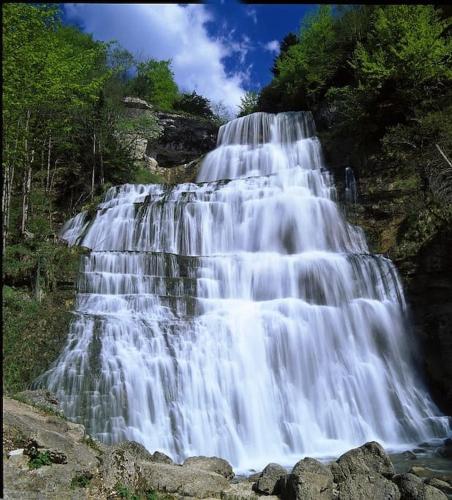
point(194, 104)
point(144, 176)
point(42, 458)
point(248, 103)
point(155, 83)
point(81, 480)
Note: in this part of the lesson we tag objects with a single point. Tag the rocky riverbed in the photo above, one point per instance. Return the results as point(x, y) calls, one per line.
point(47, 457)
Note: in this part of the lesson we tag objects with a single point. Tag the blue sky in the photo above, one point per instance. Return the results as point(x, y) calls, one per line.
point(220, 49)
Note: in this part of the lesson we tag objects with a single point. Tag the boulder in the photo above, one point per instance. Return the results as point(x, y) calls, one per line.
point(412, 487)
point(161, 458)
point(309, 480)
point(444, 486)
point(446, 449)
point(182, 480)
point(367, 487)
point(367, 459)
point(268, 481)
point(213, 464)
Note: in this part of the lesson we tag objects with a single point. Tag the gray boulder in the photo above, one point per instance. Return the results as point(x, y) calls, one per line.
point(367, 487)
point(42, 399)
point(269, 480)
point(309, 480)
point(136, 103)
point(161, 458)
point(413, 488)
point(444, 486)
point(367, 459)
point(185, 481)
point(212, 464)
point(446, 449)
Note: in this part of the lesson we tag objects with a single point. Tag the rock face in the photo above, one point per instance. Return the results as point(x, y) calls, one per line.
point(269, 481)
point(184, 139)
point(22, 423)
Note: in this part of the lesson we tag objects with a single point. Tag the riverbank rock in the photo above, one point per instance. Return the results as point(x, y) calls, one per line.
point(309, 480)
point(49, 439)
point(366, 487)
point(269, 480)
point(183, 480)
point(212, 464)
point(367, 459)
point(446, 449)
point(413, 488)
point(161, 458)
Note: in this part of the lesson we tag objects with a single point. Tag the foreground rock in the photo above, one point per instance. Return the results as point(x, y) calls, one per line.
point(413, 488)
point(309, 480)
point(54, 437)
point(47, 457)
point(269, 481)
point(212, 464)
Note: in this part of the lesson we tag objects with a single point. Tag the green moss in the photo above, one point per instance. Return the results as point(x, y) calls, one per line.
point(145, 176)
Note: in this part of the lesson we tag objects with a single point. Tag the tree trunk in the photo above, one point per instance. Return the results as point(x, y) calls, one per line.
point(49, 150)
point(94, 166)
point(26, 184)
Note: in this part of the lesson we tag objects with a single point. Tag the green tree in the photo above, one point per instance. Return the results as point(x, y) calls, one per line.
point(248, 103)
point(155, 83)
point(194, 104)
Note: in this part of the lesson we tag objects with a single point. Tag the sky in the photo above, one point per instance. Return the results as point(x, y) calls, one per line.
point(219, 49)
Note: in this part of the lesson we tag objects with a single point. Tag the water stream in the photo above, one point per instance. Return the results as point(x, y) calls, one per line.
point(240, 316)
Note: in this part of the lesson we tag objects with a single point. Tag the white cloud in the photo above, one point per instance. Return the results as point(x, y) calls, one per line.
point(169, 31)
point(272, 46)
point(252, 13)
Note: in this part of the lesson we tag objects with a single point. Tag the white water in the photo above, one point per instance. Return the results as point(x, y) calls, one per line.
point(240, 317)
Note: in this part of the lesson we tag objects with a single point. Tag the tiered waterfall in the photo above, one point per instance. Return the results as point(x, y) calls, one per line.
point(240, 316)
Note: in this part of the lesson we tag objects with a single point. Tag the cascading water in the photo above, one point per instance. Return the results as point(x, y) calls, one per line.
point(241, 316)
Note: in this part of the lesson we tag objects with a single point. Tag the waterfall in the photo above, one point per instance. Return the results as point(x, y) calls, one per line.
point(240, 316)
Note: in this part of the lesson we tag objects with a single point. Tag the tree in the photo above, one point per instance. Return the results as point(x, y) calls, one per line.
point(248, 103)
point(194, 104)
point(287, 42)
point(155, 83)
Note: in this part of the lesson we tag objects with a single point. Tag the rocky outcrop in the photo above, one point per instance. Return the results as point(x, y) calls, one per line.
point(184, 139)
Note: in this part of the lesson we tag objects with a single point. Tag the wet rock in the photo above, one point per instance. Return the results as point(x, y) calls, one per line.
point(367, 459)
point(309, 480)
point(409, 455)
point(213, 464)
point(366, 487)
point(268, 481)
point(412, 487)
point(446, 449)
point(182, 480)
point(422, 472)
point(161, 458)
